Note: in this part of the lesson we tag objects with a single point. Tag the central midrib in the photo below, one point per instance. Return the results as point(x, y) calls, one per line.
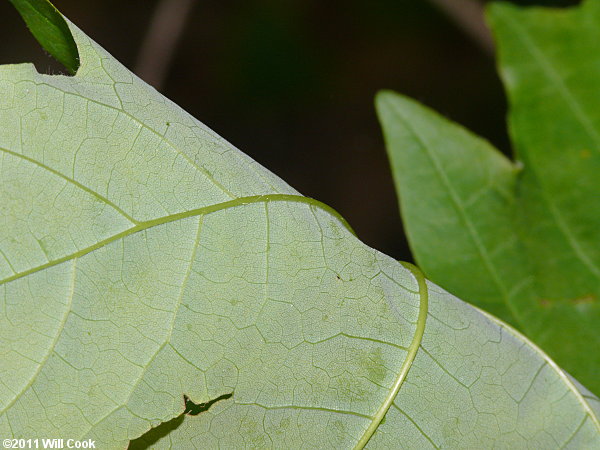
point(241, 201)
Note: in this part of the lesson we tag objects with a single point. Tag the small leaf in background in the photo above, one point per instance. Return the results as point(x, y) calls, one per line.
point(51, 30)
point(521, 243)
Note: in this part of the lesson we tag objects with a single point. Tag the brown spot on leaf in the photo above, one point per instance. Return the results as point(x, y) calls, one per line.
point(544, 303)
point(584, 300)
point(578, 301)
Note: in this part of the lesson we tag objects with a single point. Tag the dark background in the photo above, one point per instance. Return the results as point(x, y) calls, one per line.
point(291, 83)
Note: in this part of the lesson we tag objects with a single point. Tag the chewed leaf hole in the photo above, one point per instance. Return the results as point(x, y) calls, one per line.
point(193, 409)
point(153, 435)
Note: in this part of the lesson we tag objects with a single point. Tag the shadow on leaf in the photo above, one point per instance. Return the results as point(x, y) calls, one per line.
point(153, 435)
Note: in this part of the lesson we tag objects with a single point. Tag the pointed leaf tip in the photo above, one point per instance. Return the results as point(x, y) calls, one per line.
point(50, 29)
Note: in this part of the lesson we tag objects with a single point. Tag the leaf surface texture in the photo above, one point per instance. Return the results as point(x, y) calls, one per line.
point(144, 259)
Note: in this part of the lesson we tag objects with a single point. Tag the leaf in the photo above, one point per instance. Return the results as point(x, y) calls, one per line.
point(149, 269)
point(518, 240)
point(51, 30)
point(550, 64)
point(457, 200)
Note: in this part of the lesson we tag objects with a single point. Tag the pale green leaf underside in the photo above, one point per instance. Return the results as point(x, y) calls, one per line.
point(144, 258)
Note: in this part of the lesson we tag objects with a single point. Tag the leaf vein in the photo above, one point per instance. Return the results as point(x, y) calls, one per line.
point(170, 333)
point(240, 201)
point(71, 181)
point(572, 102)
point(52, 346)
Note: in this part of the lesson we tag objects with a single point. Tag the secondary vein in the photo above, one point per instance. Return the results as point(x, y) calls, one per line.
point(179, 216)
point(410, 357)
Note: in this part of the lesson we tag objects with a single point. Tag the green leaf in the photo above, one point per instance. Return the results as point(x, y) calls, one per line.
point(51, 30)
point(550, 63)
point(150, 273)
point(521, 241)
point(457, 200)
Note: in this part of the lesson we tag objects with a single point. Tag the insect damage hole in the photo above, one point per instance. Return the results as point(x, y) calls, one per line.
point(149, 438)
point(193, 409)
